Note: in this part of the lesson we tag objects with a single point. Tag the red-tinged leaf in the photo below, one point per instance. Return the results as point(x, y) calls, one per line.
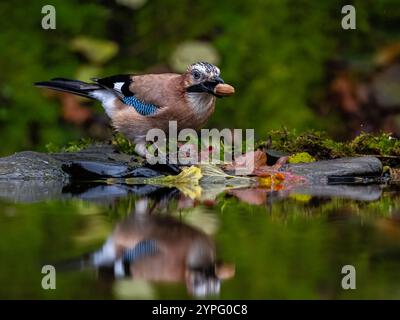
point(281, 161)
point(248, 162)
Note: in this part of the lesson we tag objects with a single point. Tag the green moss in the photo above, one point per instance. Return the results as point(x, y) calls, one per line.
point(383, 144)
point(316, 143)
point(122, 144)
point(301, 157)
point(72, 146)
point(320, 146)
point(305, 146)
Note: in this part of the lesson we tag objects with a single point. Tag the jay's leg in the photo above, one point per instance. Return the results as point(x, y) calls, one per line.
point(140, 149)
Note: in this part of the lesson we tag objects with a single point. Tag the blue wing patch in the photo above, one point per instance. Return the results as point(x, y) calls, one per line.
point(143, 249)
point(141, 107)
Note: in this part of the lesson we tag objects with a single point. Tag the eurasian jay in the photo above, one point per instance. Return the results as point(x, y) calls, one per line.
point(137, 103)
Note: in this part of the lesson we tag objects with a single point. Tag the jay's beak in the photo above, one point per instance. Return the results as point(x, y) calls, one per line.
point(206, 86)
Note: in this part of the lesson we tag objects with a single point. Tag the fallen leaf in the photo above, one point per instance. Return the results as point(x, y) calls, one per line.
point(271, 180)
point(213, 174)
point(187, 181)
point(247, 163)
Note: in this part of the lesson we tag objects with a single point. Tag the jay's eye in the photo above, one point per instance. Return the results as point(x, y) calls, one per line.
point(196, 75)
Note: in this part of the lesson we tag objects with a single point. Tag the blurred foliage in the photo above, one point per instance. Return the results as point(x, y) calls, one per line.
point(97, 51)
point(273, 52)
point(190, 51)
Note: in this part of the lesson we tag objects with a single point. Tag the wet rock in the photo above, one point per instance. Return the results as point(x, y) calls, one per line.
point(274, 155)
point(101, 160)
point(33, 176)
point(318, 172)
point(29, 165)
point(101, 153)
point(90, 170)
point(94, 169)
point(362, 180)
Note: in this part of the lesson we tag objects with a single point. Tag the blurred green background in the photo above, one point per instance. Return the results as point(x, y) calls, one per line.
point(290, 61)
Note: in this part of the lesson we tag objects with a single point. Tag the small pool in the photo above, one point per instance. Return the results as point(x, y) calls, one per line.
point(114, 243)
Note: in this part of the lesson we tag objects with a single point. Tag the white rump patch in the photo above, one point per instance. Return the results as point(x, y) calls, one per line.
point(107, 254)
point(118, 85)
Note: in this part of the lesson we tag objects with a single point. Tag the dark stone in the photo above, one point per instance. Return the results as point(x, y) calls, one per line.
point(29, 165)
point(318, 172)
point(32, 176)
point(274, 155)
point(360, 180)
point(105, 154)
point(89, 170)
point(86, 170)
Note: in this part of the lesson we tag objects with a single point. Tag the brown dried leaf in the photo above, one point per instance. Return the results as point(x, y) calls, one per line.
point(248, 162)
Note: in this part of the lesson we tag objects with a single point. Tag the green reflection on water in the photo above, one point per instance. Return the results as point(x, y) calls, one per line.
point(294, 248)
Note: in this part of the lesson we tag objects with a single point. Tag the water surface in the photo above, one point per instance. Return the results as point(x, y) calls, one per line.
point(241, 244)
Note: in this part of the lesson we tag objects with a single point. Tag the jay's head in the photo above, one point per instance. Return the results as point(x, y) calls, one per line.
point(203, 77)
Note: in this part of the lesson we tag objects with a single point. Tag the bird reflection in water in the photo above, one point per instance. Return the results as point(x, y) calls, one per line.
point(160, 248)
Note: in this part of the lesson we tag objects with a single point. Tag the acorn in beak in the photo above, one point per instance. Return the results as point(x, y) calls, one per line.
point(223, 90)
point(216, 87)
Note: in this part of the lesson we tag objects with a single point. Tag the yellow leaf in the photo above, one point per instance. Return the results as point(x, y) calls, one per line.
point(187, 181)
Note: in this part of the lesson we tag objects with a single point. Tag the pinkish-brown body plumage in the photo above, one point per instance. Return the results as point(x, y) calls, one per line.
point(165, 91)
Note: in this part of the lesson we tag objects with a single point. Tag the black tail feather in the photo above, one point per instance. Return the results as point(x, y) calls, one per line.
point(72, 86)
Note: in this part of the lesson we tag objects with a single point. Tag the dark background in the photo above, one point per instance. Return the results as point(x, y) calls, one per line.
point(290, 61)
